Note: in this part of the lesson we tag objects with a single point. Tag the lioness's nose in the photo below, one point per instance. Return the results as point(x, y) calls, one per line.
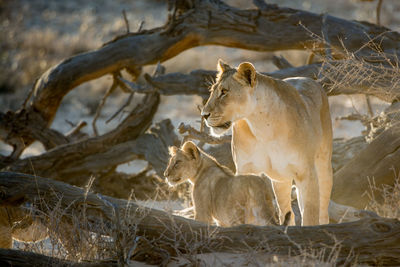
point(205, 114)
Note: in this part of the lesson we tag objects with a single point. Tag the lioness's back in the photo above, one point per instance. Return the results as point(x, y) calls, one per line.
point(309, 89)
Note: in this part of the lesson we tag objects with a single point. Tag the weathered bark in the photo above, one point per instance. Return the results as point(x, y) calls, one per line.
point(345, 150)
point(370, 240)
point(371, 168)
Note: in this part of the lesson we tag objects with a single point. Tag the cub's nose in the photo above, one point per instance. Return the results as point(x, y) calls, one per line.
point(166, 173)
point(205, 114)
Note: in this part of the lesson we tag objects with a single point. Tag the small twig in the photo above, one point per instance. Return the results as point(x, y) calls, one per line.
point(30, 93)
point(126, 20)
point(122, 84)
point(355, 117)
point(74, 131)
point(134, 87)
point(281, 62)
point(128, 101)
point(141, 25)
point(195, 134)
point(102, 102)
point(159, 70)
point(368, 122)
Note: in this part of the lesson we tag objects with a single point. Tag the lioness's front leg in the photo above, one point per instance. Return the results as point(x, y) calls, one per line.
point(309, 197)
point(283, 192)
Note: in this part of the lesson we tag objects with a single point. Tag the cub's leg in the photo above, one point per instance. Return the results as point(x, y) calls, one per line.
point(5, 236)
point(308, 187)
point(325, 180)
point(283, 192)
point(202, 213)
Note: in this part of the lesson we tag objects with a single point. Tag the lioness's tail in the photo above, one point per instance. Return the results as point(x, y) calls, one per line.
point(288, 216)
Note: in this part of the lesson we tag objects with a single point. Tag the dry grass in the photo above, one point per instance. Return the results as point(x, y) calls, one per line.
point(386, 199)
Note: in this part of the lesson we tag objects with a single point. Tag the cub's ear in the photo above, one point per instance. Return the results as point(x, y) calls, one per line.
point(247, 73)
point(172, 150)
point(191, 149)
point(222, 66)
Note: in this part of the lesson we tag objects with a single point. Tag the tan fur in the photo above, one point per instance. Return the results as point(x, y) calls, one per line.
point(218, 195)
point(279, 127)
point(18, 224)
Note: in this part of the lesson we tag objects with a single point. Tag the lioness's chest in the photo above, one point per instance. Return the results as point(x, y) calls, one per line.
point(274, 157)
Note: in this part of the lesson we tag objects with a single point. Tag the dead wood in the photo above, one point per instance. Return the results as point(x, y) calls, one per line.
point(369, 241)
point(345, 150)
point(11, 257)
point(97, 156)
point(374, 166)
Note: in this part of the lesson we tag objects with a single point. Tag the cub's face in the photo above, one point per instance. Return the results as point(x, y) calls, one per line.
point(229, 96)
point(182, 166)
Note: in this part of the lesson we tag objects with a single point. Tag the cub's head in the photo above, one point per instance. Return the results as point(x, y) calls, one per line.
point(183, 163)
point(230, 96)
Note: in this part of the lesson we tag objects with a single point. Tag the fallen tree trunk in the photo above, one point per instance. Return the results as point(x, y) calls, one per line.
point(11, 257)
point(367, 241)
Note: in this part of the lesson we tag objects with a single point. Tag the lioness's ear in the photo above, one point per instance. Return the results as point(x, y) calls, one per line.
point(191, 149)
point(172, 150)
point(222, 66)
point(247, 72)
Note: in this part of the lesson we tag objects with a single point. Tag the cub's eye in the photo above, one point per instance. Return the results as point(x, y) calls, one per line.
point(177, 163)
point(223, 92)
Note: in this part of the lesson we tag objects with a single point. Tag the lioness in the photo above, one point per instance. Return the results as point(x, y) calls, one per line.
point(279, 127)
point(218, 195)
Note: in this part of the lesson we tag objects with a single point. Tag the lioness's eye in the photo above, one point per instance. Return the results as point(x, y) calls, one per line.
point(223, 92)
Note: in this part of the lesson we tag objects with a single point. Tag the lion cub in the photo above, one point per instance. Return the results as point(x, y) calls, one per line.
point(218, 195)
point(17, 223)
